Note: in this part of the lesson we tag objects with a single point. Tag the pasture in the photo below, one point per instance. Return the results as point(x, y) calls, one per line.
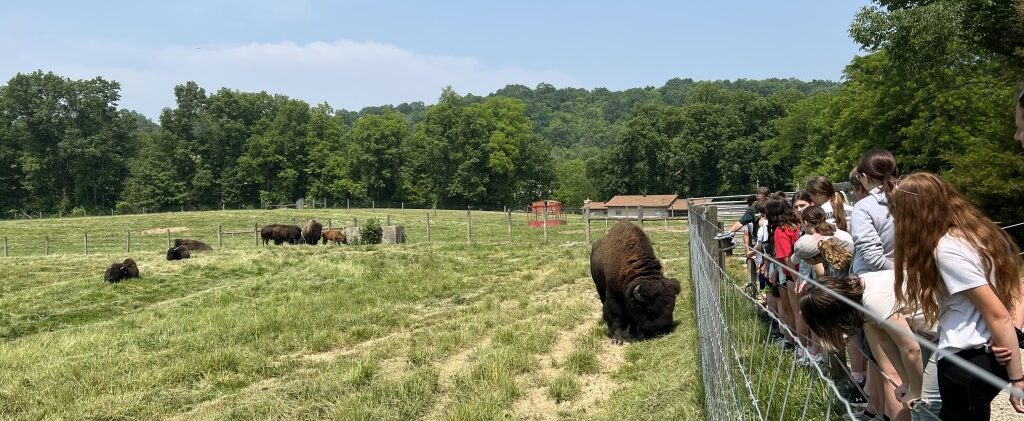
point(446, 329)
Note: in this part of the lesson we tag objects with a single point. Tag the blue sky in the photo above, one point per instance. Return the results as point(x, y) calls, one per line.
point(357, 53)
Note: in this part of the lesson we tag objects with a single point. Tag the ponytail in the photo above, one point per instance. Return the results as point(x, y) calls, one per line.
point(839, 212)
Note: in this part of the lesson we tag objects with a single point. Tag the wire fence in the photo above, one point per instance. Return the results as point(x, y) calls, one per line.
point(235, 230)
point(745, 375)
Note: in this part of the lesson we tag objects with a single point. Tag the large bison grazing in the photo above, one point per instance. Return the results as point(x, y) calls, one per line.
point(635, 294)
point(193, 245)
point(124, 270)
point(311, 232)
point(336, 236)
point(178, 253)
point(281, 233)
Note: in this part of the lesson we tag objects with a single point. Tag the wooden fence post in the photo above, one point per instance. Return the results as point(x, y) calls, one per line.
point(428, 227)
point(373, 206)
point(388, 223)
point(587, 217)
point(256, 233)
point(666, 224)
point(545, 222)
point(347, 205)
point(220, 236)
point(86, 246)
point(640, 215)
point(328, 223)
point(355, 222)
point(5, 246)
point(469, 225)
point(293, 222)
point(46, 245)
point(128, 242)
point(508, 218)
point(168, 238)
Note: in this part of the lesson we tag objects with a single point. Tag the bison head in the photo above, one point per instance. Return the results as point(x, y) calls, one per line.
point(651, 303)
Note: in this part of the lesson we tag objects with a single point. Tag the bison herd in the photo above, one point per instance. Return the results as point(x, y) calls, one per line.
point(312, 233)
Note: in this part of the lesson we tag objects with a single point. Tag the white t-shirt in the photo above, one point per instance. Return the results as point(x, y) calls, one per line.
point(830, 213)
point(961, 325)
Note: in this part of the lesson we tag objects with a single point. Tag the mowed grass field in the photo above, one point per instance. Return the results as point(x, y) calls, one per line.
point(445, 329)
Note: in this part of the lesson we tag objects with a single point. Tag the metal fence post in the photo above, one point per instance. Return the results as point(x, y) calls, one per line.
point(545, 221)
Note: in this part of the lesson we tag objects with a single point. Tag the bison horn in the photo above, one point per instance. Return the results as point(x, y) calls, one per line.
point(636, 293)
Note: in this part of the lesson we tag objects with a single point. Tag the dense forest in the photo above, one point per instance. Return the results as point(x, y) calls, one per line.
point(935, 85)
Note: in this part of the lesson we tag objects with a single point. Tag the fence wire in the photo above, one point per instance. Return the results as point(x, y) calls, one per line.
point(726, 323)
point(747, 376)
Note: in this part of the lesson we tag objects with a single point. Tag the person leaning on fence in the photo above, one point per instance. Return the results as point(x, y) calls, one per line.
point(872, 229)
point(825, 248)
point(962, 271)
point(748, 216)
point(783, 230)
point(824, 194)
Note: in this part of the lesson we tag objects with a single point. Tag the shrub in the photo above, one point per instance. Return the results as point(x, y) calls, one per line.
point(78, 211)
point(371, 232)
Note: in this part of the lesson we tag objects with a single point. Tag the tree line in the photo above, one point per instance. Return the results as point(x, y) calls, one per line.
point(935, 85)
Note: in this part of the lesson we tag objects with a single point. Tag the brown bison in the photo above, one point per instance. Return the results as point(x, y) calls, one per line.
point(193, 245)
point(178, 253)
point(124, 270)
point(281, 233)
point(336, 236)
point(311, 232)
point(635, 294)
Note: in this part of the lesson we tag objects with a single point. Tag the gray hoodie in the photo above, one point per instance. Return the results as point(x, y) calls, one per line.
point(872, 228)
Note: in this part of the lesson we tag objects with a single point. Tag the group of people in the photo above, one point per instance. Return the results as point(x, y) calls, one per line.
point(918, 260)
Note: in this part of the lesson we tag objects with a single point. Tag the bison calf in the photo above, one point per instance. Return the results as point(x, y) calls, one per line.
point(124, 270)
point(635, 294)
point(336, 236)
point(178, 253)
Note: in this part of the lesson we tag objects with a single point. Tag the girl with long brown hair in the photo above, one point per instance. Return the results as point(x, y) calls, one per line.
point(961, 271)
point(824, 194)
point(783, 231)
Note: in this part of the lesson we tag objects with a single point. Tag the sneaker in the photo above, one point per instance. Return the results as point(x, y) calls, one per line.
point(724, 234)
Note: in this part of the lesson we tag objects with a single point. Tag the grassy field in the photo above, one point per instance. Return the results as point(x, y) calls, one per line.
point(438, 330)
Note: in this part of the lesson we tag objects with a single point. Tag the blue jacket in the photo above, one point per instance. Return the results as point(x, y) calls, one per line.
point(873, 232)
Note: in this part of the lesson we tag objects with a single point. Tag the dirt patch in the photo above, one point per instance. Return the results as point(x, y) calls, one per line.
point(157, 231)
point(536, 404)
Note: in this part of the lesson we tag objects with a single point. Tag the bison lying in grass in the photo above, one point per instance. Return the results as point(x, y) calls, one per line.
point(124, 270)
point(193, 245)
point(281, 233)
point(635, 294)
point(178, 253)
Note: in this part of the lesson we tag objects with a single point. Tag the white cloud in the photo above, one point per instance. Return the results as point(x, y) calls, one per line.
point(346, 74)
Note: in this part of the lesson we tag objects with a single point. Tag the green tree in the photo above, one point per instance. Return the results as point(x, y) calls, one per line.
point(376, 154)
point(572, 185)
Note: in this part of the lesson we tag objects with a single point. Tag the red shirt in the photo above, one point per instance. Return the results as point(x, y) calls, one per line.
point(785, 238)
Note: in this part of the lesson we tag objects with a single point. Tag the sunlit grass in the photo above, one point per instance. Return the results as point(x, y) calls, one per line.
point(442, 329)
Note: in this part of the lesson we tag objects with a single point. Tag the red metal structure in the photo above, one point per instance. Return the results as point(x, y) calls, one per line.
point(536, 213)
